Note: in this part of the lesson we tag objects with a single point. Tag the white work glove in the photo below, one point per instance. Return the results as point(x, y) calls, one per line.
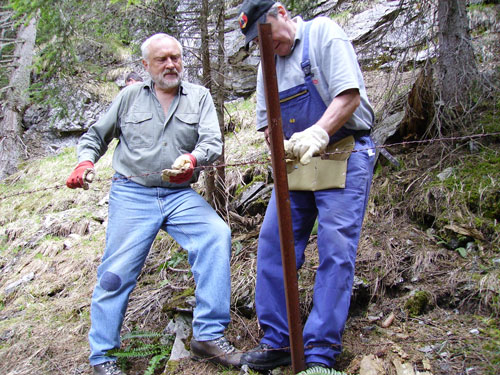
point(305, 144)
point(182, 169)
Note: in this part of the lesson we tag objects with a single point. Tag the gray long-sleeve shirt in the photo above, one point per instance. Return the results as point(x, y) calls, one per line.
point(149, 141)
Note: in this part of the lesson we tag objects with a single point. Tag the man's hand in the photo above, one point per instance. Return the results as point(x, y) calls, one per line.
point(266, 137)
point(182, 169)
point(82, 175)
point(305, 144)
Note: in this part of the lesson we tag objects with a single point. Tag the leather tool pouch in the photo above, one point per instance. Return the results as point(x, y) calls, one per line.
point(323, 172)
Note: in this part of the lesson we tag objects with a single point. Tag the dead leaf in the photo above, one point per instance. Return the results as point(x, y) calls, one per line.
point(387, 322)
point(469, 232)
point(403, 368)
point(371, 365)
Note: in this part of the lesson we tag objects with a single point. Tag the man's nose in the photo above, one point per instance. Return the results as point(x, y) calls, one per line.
point(169, 62)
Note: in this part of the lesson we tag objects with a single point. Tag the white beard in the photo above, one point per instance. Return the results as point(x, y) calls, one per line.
point(166, 84)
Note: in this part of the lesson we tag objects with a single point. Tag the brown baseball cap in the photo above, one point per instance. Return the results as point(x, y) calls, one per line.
point(252, 13)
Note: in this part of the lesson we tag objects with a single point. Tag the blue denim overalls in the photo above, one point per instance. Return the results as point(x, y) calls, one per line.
point(340, 215)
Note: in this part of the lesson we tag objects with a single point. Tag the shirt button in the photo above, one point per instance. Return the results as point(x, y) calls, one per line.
point(164, 143)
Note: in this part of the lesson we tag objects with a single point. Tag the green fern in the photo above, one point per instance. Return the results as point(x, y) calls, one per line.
point(317, 370)
point(141, 350)
point(158, 348)
point(155, 361)
point(141, 335)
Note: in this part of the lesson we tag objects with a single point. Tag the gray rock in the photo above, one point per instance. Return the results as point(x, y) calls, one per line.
point(448, 172)
point(24, 280)
point(180, 326)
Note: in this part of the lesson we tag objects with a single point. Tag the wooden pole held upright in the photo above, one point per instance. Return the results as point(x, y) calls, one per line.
point(282, 197)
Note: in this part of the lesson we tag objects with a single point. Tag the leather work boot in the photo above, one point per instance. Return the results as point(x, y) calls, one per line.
point(217, 351)
point(107, 368)
point(265, 357)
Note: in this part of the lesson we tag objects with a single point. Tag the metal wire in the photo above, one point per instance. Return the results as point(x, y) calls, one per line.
point(268, 161)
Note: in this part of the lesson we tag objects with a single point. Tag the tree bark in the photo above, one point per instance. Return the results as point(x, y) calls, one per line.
point(457, 68)
point(11, 145)
point(214, 179)
point(207, 82)
point(205, 45)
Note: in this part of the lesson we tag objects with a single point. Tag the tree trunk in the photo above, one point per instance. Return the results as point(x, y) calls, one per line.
point(205, 45)
point(457, 68)
point(207, 82)
point(214, 179)
point(220, 198)
point(11, 145)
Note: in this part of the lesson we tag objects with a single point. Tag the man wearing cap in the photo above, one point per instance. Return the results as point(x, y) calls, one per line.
point(164, 123)
point(323, 104)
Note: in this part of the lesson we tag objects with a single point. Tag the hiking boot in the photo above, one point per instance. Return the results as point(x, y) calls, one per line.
point(217, 351)
point(265, 357)
point(107, 368)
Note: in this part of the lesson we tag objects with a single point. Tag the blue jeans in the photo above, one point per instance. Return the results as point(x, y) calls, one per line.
point(136, 214)
point(340, 215)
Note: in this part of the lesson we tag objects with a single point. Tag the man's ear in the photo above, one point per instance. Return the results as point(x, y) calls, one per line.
point(281, 10)
point(145, 64)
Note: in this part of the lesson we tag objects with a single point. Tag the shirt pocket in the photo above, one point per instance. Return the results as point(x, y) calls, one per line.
point(139, 130)
point(186, 128)
point(188, 118)
point(320, 84)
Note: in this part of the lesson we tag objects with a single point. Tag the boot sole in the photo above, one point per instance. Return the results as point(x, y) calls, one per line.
point(214, 360)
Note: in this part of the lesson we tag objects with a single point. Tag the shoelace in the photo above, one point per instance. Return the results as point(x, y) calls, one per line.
point(111, 368)
point(264, 347)
point(224, 345)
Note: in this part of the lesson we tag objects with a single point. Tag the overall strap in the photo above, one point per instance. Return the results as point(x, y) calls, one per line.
point(306, 62)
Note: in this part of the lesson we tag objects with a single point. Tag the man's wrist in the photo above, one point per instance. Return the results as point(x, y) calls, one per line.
point(86, 163)
point(320, 131)
point(193, 159)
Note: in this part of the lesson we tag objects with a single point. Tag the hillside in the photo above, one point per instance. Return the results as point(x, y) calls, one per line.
point(441, 295)
point(427, 291)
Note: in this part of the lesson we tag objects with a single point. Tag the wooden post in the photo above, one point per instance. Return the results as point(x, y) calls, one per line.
point(282, 197)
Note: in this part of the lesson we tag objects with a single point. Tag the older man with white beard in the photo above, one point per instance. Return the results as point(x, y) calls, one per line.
point(163, 123)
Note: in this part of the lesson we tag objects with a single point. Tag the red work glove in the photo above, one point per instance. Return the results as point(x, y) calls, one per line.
point(184, 163)
point(81, 176)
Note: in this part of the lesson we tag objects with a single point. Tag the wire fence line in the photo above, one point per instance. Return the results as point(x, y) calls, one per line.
point(259, 160)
